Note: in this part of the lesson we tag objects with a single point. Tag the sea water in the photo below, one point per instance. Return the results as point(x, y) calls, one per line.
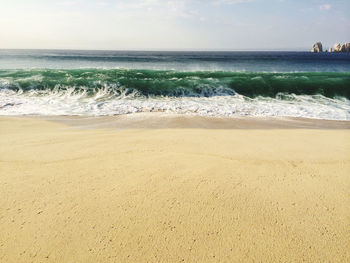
point(97, 83)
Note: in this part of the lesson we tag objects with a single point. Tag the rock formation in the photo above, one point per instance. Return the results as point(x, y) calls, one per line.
point(347, 47)
point(337, 47)
point(317, 47)
point(342, 48)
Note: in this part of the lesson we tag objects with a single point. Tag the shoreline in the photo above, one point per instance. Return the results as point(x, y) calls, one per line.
point(156, 120)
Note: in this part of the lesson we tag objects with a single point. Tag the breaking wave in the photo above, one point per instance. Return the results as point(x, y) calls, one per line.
point(210, 93)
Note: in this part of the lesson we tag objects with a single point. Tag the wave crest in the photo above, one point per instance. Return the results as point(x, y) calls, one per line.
point(176, 84)
point(109, 92)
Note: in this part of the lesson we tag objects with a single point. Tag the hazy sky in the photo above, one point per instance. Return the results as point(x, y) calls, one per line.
point(175, 25)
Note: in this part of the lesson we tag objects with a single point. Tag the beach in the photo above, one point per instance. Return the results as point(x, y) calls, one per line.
point(174, 190)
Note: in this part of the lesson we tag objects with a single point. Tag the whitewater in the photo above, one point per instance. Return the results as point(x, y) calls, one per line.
point(221, 84)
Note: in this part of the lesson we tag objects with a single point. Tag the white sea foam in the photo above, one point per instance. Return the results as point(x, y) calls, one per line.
point(103, 102)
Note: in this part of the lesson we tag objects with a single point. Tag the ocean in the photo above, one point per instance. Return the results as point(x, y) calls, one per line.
point(227, 84)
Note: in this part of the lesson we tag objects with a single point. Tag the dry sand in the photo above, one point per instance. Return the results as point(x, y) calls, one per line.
point(172, 195)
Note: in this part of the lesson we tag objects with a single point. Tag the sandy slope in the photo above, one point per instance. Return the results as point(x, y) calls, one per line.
point(172, 195)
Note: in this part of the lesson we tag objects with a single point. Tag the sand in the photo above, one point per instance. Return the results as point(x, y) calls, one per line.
point(157, 120)
point(172, 194)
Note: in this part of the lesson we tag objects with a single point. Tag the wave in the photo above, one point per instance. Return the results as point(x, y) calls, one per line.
point(175, 83)
point(97, 92)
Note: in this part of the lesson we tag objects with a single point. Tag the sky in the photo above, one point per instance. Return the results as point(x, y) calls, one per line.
point(173, 25)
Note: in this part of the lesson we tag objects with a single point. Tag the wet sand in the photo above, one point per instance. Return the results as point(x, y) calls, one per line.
point(174, 121)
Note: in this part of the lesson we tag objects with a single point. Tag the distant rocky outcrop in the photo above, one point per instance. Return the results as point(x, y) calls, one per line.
point(317, 47)
point(337, 47)
point(342, 48)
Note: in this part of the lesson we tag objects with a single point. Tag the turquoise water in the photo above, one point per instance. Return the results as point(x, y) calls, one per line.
point(206, 83)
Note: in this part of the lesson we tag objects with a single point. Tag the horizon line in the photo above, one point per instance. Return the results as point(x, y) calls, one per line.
point(163, 50)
